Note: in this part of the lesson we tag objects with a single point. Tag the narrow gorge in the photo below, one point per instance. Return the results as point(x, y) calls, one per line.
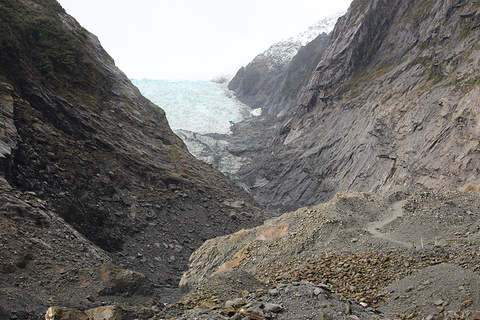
point(357, 196)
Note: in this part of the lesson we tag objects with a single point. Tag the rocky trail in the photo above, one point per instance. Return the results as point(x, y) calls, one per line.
point(360, 247)
point(393, 213)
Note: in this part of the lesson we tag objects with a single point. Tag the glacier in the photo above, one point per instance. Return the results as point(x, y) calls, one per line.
point(197, 106)
point(201, 113)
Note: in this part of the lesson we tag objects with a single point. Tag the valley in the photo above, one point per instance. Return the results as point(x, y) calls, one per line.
point(335, 178)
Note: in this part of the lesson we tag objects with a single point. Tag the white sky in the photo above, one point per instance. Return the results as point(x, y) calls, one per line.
point(194, 39)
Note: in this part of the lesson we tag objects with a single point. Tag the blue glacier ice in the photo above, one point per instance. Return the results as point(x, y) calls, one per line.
point(196, 106)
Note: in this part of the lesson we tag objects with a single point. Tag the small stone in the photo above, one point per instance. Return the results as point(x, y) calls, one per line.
point(106, 313)
point(229, 303)
point(323, 316)
point(347, 309)
point(438, 302)
point(273, 292)
point(467, 303)
point(254, 313)
point(54, 313)
point(317, 291)
point(324, 287)
point(229, 311)
point(273, 307)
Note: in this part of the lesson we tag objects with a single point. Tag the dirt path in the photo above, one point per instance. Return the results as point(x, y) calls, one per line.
point(393, 213)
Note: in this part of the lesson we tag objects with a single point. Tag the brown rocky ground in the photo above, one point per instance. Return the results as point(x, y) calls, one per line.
point(398, 252)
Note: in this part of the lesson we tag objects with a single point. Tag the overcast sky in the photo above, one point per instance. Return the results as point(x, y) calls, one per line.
point(194, 39)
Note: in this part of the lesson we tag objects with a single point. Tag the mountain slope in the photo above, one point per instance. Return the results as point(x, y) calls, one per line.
point(81, 140)
point(393, 101)
point(272, 80)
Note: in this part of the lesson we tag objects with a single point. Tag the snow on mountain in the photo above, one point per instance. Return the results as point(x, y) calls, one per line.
point(196, 106)
point(282, 52)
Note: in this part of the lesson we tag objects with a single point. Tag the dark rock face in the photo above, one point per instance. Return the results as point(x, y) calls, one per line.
point(393, 101)
point(78, 137)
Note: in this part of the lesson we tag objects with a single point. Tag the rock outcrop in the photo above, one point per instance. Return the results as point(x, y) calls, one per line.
point(394, 100)
point(92, 175)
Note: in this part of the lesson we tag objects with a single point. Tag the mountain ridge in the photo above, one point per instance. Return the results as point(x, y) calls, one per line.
point(378, 77)
point(263, 82)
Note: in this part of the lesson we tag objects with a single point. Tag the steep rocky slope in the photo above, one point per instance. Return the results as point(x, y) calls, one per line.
point(92, 173)
point(394, 100)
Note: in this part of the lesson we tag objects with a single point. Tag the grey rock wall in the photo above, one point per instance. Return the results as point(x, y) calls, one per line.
point(393, 101)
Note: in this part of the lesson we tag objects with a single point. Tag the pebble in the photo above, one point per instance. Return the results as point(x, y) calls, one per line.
point(438, 302)
point(273, 307)
point(317, 291)
point(273, 292)
point(348, 308)
point(323, 316)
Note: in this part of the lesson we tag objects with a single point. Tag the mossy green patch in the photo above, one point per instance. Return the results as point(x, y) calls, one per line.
point(421, 9)
point(35, 43)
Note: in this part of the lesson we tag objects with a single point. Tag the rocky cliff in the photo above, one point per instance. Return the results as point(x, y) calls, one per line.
point(92, 174)
point(394, 100)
